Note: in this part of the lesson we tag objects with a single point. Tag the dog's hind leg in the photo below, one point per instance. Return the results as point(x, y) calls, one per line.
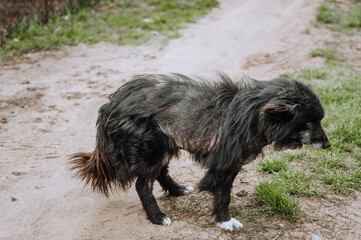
point(144, 187)
point(171, 186)
point(219, 183)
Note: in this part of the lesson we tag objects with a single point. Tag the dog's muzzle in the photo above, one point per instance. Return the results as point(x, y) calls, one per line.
point(326, 144)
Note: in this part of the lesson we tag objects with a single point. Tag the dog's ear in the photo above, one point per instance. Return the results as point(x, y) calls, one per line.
point(271, 111)
point(276, 112)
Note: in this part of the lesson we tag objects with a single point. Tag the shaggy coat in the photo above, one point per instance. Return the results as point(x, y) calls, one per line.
point(222, 124)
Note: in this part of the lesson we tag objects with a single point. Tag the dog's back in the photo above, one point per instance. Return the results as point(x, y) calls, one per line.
point(187, 111)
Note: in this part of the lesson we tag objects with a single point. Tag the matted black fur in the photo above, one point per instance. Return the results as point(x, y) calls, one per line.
point(223, 124)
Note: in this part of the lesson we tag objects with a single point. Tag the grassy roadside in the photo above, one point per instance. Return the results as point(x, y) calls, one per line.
point(316, 173)
point(344, 16)
point(117, 21)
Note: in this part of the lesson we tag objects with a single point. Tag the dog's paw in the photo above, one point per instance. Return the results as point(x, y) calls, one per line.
point(180, 191)
point(188, 189)
point(230, 225)
point(166, 221)
point(160, 219)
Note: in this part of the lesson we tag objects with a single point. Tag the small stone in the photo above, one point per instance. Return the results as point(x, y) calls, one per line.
point(17, 173)
point(57, 29)
point(242, 193)
point(147, 20)
point(297, 235)
point(4, 120)
point(315, 237)
point(14, 199)
point(25, 82)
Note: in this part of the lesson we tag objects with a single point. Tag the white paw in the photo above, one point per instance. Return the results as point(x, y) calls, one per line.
point(230, 225)
point(166, 221)
point(188, 189)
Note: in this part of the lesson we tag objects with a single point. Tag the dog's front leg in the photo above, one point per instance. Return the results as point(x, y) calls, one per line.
point(219, 183)
point(144, 188)
point(221, 212)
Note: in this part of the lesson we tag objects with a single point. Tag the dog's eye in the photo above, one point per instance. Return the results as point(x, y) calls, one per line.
point(309, 124)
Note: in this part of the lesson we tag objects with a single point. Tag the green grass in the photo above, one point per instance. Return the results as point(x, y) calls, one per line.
point(272, 165)
point(117, 21)
point(330, 161)
point(354, 16)
point(327, 53)
point(344, 182)
point(288, 177)
point(278, 163)
point(327, 15)
point(299, 183)
point(332, 15)
point(274, 200)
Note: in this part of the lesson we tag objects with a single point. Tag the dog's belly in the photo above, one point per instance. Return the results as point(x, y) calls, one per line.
point(189, 142)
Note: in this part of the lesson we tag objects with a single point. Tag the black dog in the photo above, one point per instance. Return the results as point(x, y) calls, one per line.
point(224, 125)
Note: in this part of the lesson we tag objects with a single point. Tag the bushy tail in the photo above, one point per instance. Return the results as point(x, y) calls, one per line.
point(98, 168)
point(94, 169)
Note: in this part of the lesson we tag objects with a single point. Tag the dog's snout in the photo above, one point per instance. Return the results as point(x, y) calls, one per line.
point(326, 144)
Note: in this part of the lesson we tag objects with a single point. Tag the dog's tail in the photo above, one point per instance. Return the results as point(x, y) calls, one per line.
point(94, 169)
point(99, 168)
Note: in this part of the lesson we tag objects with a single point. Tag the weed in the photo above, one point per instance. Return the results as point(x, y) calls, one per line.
point(311, 74)
point(274, 200)
point(327, 15)
point(298, 183)
point(354, 16)
point(332, 16)
point(343, 182)
point(272, 165)
point(205, 226)
point(184, 209)
point(329, 54)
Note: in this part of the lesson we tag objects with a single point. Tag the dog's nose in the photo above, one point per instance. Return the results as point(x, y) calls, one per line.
point(326, 144)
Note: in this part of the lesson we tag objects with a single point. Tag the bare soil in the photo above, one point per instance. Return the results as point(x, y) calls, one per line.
point(48, 107)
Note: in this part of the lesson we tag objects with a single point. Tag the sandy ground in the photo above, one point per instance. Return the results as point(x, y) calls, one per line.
point(48, 107)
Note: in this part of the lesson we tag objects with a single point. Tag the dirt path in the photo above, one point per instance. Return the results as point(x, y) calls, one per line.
point(49, 101)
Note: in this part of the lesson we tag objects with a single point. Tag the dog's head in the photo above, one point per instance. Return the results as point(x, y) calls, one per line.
point(294, 114)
